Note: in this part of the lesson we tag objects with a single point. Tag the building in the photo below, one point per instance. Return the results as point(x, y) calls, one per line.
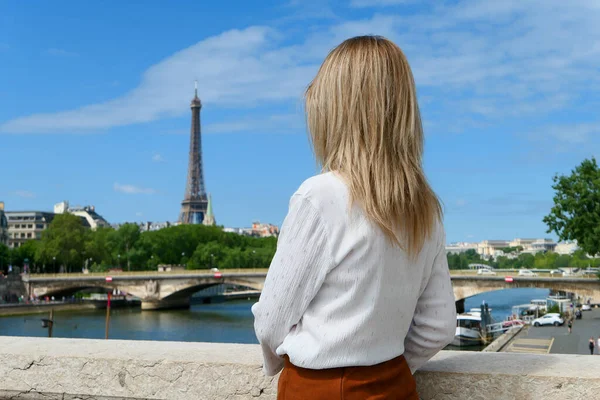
point(26, 225)
point(194, 206)
point(264, 230)
point(3, 225)
point(540, 245)
point(568, 247)
point(93, 219)
point(257, 230)
point(461, 247)
point(491, 248)
point(29, 225)
point(148, 226)
point(209, 217)
point(524, 243)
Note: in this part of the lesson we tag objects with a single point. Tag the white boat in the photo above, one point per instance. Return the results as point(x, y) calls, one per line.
point(468, 329)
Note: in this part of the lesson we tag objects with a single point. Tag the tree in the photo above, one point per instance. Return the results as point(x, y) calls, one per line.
point(123, 241)
point(64, 240)
point(98, 246)
point(576, 211)
point(525, 260)
point(563, 261)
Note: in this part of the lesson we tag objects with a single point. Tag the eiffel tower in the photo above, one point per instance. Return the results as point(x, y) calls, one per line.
point(195, 201)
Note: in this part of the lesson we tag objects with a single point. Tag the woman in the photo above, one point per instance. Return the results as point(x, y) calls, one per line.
point(592, 345)
point(358, 295)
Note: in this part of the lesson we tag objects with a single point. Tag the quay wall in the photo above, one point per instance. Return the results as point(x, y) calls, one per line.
point(69, 369)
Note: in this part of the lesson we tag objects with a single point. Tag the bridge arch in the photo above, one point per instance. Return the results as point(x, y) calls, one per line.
point(468, 286)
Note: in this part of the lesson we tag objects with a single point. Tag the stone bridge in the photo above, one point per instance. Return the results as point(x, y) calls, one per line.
point(173, 290)
point(157, 291)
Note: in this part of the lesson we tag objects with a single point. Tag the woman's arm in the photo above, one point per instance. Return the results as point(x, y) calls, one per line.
point(297, 271)
point(434, 321)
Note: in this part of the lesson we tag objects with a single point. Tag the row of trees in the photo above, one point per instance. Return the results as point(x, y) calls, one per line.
point(67, 246)
point(549, 260)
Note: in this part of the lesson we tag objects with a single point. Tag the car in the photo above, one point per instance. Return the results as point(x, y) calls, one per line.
point(484, 271)
point(526, 272)
point(214, 270)
point(548, 319)
point(586, 307)
point(556, 272)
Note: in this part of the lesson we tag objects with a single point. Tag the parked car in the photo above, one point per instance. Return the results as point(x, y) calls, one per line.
point(586, 307)
point(526, 272)
point(548, 319)
point(483, 271)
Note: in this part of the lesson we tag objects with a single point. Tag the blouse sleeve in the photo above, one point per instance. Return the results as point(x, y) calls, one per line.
point(297, 271)
point(434, 321)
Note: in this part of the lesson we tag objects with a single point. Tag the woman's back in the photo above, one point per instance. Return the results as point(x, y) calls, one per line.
point(361, 292)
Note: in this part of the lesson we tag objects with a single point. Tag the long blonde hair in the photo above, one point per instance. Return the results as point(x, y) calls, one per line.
point(365, 125)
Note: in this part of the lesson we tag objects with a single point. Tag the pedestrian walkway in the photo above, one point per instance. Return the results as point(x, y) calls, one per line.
point(538, 346)
point(558, 340)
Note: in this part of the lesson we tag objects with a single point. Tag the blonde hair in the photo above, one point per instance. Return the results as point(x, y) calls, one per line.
point(365, 125)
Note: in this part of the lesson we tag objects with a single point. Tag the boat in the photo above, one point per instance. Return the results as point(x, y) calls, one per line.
point(471, 328)
point(468, 330)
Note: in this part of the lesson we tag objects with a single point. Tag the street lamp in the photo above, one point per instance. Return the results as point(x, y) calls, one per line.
point(119, 258)
point(183, 258)
point(212, 260)
point(54, 262)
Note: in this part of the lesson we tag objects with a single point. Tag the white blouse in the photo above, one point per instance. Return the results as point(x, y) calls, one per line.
point(338, 294)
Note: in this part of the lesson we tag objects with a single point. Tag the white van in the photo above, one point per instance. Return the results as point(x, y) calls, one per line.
point(526, 272)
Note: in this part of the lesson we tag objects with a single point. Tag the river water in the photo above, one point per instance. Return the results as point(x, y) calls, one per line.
point(230, 322)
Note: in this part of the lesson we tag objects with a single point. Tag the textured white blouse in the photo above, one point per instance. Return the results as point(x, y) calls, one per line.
point(338, 294)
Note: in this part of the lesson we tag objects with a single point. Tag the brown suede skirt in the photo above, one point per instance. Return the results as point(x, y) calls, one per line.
point(390, 380)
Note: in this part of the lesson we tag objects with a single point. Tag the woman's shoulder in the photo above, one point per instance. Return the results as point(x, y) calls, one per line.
point(325, 188)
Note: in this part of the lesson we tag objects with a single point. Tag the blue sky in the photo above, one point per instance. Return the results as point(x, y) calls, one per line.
point(94, 102)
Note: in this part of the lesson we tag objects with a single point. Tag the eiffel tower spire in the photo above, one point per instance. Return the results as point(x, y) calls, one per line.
point(195, 201)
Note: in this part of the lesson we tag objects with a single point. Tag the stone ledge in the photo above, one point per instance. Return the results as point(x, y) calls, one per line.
point(53, 369)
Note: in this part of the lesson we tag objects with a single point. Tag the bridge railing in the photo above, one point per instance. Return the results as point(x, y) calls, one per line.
point(194, 272)
point(208, 272)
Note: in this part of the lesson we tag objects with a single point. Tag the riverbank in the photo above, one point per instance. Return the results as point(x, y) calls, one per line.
point(10, 310)
point(558, 340)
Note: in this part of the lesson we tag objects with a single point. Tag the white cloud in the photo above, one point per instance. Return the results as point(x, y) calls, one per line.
point(157, 158)
point(461, 202)
point(497, 60)
point(285, 123)
point(378, 3)
point(132, 189)
point(567, 134)
point(24, 194)
point(138, 214)
point(59, 52)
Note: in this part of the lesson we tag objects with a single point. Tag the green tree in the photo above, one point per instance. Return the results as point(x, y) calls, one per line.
point(525, 260)
point(562, 261)
point(576, 211)
point(208, 255)
point(64, 240)
point(123, 241)
point(98, 247)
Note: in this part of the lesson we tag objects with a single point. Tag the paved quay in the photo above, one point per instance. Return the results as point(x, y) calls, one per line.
point(557, 340)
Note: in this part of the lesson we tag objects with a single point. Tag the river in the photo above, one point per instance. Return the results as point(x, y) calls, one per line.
point(230, 322)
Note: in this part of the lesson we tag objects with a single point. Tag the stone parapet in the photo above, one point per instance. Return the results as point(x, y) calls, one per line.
point(69, 369)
